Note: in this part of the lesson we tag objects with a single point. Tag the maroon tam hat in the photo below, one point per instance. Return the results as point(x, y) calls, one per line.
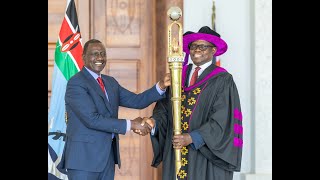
point(207, 34)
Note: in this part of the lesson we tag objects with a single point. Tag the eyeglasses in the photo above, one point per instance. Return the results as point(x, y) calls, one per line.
point(97, 53)
point(202, 47)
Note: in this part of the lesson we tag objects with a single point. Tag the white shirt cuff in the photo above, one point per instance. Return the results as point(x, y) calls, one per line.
point(153, 130)
point(128, 125)
point(161, 92)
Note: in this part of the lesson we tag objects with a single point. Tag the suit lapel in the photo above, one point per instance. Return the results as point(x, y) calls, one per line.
point(111, 94)
point(203, 75)
point(207, 71)
point(186, 83)
point(94, 84)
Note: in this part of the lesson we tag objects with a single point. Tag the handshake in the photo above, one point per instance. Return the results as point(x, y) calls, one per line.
point(142, 126)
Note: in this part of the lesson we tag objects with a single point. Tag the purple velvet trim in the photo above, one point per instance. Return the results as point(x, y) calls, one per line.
point(237, 114)
point(237, 142)
point(238, 129)
point(186, 58)
point(216, 71)
point(184, 74)
point(196, 104)
point(220, 43)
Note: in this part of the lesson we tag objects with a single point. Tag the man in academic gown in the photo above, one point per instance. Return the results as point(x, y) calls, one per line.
point(211, 117)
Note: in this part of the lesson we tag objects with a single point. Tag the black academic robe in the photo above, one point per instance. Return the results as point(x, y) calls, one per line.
point(212, 108)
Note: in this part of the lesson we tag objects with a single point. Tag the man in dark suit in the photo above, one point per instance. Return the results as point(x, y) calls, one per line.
point(92, 104)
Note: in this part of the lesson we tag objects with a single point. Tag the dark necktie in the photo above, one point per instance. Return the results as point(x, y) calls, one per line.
point(101, 84)
point(194, 76)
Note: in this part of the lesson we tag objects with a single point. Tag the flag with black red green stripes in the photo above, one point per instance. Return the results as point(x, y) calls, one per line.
point(67, 62)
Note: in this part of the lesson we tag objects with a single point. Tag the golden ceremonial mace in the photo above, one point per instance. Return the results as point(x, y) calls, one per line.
point(175, 60)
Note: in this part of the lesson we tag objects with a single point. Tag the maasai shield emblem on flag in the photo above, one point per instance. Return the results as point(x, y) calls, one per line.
point(67, 62)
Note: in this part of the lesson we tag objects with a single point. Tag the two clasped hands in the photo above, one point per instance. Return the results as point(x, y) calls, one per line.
point(143, 126)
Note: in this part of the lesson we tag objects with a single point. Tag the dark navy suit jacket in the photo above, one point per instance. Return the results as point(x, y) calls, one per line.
point(91, 120)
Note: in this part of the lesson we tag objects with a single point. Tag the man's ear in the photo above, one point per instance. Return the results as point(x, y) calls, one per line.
point(214, 50)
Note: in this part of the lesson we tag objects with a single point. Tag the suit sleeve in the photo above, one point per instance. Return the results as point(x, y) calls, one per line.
point(81, 102)
point(138, 101)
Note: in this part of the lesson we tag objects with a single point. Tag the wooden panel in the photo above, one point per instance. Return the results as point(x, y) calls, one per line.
point(123, 22)
point(129, 149)
point(125, 72)
point(118, 53)
point(56, 11)
point(130, 156)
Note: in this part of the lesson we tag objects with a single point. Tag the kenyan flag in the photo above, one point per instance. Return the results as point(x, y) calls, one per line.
point(67, 62)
